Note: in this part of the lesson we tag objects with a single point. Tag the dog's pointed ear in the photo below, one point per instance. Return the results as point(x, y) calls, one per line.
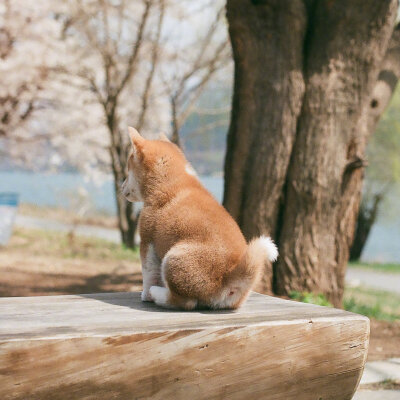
point(135, 136)
point(137, 141)
point(163, 137)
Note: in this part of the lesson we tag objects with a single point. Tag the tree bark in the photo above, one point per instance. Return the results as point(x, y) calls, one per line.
point(175, 137)
point(127, 218)
point(365, 220)
point(127, 221)
point(379, 100)
point(268, 76)
point(293, 154)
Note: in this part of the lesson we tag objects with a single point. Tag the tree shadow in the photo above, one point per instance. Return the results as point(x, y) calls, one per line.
point(44, 284)
point(99, 287)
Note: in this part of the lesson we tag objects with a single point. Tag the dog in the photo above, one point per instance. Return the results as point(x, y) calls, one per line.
point(192, 251)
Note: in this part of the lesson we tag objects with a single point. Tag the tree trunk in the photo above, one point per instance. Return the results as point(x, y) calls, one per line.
point(365, 220)
point(268, 76)
point(175, 137)
point(379, 100)
point(127, 218)
point(293, 154)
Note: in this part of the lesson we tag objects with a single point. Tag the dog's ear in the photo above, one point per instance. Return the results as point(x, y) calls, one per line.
point(163, 137)
point(135, 136)
point(137, 141)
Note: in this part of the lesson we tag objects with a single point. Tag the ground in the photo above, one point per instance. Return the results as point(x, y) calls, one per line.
point(384, 340)
point(68, 216)
point(40, 262)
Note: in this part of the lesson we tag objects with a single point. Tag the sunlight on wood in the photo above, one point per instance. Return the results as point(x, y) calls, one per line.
point(112, 345)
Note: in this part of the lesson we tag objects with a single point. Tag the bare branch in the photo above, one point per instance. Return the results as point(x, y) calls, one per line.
point(131, 67)
point(192, 95)
point(212, 111)
point(200, 63)
point(154, 59)
point(208, 127)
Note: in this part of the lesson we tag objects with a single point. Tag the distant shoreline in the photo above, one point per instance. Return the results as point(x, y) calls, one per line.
point(73, 193)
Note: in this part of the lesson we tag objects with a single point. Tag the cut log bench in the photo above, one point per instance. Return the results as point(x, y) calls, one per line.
point(113, 346)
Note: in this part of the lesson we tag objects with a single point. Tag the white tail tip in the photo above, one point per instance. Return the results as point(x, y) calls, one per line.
point(270, 247)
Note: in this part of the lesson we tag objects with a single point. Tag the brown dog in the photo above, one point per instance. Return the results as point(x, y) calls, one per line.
point(193, 253)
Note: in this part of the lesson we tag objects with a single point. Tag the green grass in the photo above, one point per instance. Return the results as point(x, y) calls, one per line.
point(372, 303)
point(49, 243)
point(391, 267)
point(307, 297)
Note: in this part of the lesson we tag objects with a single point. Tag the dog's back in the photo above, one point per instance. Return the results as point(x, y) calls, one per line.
point(204, 258)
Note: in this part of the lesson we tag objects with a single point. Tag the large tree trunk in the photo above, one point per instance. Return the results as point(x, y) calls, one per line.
point(365, 220)
point(379, 100)
point(267, 99)
point(304, 71)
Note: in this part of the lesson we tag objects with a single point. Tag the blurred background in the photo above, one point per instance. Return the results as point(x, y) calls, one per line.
point(75, 73)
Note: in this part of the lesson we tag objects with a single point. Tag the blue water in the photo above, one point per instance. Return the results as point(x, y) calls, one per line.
point(60, 190)
point(45, 189)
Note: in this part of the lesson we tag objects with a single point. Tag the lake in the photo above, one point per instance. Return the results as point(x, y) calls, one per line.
point(46, 189)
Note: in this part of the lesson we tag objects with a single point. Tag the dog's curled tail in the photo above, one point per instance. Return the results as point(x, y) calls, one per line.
point(246, 274)
point(259, 250)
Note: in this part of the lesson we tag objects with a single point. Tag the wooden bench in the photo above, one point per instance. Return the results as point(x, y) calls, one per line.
point(113, 346)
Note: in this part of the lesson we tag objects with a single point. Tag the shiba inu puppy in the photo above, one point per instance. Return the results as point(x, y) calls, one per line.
point(192, 251)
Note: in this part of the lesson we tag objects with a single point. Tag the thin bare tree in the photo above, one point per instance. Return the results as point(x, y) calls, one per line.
point(119, 39)
point(209, 55)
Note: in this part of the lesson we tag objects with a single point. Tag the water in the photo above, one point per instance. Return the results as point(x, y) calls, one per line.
point(61, 190)
point(45, 189)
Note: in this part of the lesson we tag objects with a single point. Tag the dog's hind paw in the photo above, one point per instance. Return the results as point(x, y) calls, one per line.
point(145, 296)
point(159, 295)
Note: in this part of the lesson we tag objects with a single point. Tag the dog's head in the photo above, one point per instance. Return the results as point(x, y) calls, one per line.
point(151, 165)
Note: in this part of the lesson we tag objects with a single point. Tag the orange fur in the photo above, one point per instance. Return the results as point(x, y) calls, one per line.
point(189, 242)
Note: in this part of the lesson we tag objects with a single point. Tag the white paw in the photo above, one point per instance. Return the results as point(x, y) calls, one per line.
point(145, 296)
point(159, 294)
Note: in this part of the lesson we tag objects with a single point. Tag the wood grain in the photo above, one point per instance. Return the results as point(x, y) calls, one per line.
point(113, 346)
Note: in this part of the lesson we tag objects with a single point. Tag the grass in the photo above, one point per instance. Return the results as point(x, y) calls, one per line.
point(68, 216)
point(372, 303)
point(48, 243)
point(312, 298)
point(377, 267)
